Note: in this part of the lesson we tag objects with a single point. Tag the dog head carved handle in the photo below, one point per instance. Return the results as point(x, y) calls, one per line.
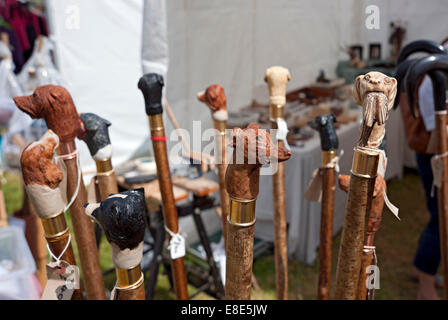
point(37, 165)
point(437, 68)
point(324, 124)
point(56, 106)
point(151, 85)
point(122, 218)
point(253, 145)
point(95, 133)
point(426, 46)
point(215, 99)
point(277, 79)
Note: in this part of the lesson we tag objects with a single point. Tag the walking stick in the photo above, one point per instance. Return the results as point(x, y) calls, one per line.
point(426, 46)
point(55, 105)
point(95, 133)
point(215, 98)
point(122, 218)
point(151, 86)
point(433, 66)
point(277, 79)
point(373, 225)
point(376, 93)
point(329, 145)
point(42, 183)
point(252, 149)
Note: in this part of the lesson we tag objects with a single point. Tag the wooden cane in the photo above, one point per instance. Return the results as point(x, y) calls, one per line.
point(373, 225)
point(95, 133)
point(376, 93)
point(433, 66)
point(122, 218)
point(215, 98)
point(277, 79)
point(329, 145)
point(252, 149)
point(55, 105)
point(42, 183)
point(151, 86)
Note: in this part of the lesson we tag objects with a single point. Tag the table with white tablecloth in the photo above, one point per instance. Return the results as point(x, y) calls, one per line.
point(303, 216)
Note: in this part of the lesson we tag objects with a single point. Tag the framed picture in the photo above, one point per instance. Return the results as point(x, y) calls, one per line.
point(357, 50)
point(375, 51)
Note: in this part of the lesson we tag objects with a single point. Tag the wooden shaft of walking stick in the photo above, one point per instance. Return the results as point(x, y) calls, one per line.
point(122, 217)
point(324, 124)
point(376, 93)
point(55, 105)
point(252, 148)
point(437, 68)
point(151, 86)
point(277, 79)
point(3, 213)
point(373, 225)
point(215, 98)
point(42, 179)
point(95, 133)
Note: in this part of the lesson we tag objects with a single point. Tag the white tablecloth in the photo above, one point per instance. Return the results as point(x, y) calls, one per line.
point(304, 216)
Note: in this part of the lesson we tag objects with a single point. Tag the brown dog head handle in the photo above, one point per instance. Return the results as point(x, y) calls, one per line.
point(55, 105)
point(42, 178)
point(215, 98)
point(277, 79)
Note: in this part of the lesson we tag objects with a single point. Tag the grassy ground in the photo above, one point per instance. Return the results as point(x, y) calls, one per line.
point(396, 243)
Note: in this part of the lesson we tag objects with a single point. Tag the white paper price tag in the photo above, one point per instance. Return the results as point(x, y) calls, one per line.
point(177, 247)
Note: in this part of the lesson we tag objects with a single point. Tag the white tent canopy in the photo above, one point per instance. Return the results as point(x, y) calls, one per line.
point(211, 41)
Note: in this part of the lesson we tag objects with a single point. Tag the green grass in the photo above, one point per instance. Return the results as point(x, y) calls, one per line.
point(396, 243)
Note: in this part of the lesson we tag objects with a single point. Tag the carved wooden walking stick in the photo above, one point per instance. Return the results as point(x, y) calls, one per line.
point(55, 105)
point(329, 145)
point(122, 218)
point(376, 93)
point(42, 183)
point(373, 225)
point(151, 86)
point(252, 149)
point(95, 133)
point(277, 79)
point(433, 66)
point(215, 98)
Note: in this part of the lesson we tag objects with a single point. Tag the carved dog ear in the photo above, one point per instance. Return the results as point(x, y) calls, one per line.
point(332, 116)
point(201, 96)
point(357, 90)
point(391, 94)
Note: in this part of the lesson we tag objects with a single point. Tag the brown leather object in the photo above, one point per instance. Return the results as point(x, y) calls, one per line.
point(415, 131)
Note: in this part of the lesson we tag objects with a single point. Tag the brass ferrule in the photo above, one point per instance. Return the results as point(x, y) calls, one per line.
point(365, 163)
point(55, 226)
point(103, 165)
point(242, 212)
point(221, 126)
point(156, 124)
point(276, 112)
point(128, 277)
point(67, 148)
point(327, 156)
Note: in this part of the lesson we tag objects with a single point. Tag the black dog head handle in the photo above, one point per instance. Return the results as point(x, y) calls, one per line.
point(324, 124)
point(151, 85)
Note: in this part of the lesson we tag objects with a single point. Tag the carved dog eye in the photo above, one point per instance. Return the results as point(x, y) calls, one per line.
point(42, 148)
point(386, 80)
point(367, 77)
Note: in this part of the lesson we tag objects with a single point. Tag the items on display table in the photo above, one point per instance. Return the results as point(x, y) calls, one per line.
point(436, 67)
point(242, 184)
point(122, 218)
point(375, 92)
point(277, 79)
point(302, 106)
point(55, 105)
point(322, 188)
point(151, 86)
point(45, 184)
